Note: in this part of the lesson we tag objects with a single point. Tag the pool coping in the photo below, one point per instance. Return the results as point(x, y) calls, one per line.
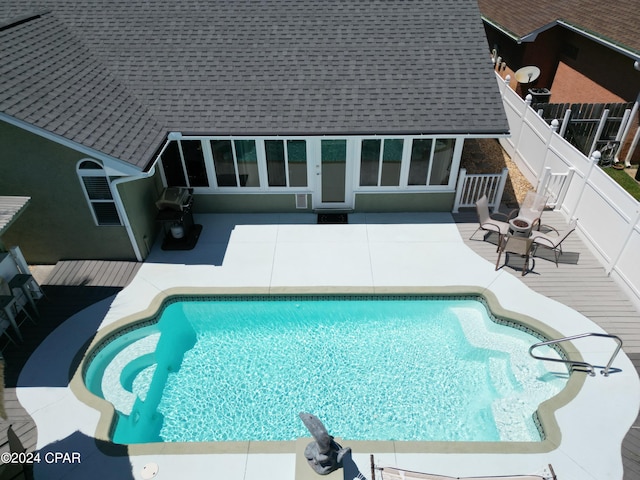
point(545, 413)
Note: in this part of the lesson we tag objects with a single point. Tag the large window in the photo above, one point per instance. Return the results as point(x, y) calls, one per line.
point(97, 188)
point(286, 162)
point(420, 160)
point(235, 163)
point(380, 162)
point(396, 162)
point(172, 166)
point(283, 163)
point(442, 160)
point(194, 163)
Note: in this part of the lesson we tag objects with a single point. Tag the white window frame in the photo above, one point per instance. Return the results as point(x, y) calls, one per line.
point(406, 163)
point(261, 162)
point(98, 172)
point(310, 143)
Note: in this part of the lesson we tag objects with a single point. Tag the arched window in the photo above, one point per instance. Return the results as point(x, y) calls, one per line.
point(97, 189)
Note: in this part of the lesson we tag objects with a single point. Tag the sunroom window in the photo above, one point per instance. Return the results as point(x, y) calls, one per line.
point(380, 162)
point(183, 164)
point(235, 163)
point(97, 189)
point(442, 159)
point(286, 163)
point(430, 162)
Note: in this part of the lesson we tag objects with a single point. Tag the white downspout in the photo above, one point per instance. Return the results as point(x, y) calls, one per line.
point(116, 194)
point(123, 212)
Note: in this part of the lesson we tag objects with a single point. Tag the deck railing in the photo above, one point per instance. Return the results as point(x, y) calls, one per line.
point(555, 186)
point(471, 187)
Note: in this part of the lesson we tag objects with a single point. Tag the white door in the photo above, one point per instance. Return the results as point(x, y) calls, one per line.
point(333, 175)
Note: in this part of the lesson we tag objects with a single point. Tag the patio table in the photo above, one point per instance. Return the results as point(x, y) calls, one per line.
point(519, 227)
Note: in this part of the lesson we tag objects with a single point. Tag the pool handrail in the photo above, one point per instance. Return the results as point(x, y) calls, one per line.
point(574, 363)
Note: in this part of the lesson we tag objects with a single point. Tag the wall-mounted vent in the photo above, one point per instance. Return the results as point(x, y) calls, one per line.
point(301, 201)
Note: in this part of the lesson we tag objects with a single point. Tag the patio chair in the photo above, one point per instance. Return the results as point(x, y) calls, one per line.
point(10, 308)
point(518, 245)
point(489, 224)
point(532, 208)
point(553, 242)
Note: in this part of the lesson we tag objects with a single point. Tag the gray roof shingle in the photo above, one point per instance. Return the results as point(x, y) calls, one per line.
point(261, 67)
point(49, 79)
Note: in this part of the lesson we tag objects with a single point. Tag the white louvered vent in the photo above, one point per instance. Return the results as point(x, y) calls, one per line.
point(301, 200)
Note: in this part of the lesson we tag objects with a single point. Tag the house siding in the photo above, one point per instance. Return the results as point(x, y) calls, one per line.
point(252, 203)
point(58, 223)
point(139, 197)
point(405, 202)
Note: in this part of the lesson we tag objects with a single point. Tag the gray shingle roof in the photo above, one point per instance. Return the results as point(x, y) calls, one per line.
point(296, 66)
point(49, 79)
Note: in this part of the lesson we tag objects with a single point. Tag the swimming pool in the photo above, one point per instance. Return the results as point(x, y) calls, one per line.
point(408, 368)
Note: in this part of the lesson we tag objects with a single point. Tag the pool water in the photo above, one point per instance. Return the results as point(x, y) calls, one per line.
point(376, 369)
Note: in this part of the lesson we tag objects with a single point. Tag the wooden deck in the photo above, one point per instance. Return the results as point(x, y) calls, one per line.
point(93, 273)
point(71, 287)
point(580, 282)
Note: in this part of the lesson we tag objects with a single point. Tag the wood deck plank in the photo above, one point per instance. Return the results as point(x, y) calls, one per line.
point(93, 273)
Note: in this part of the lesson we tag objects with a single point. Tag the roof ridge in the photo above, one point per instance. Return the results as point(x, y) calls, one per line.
point(16, 21)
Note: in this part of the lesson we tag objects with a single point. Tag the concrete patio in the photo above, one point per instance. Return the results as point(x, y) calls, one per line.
point(374, 253)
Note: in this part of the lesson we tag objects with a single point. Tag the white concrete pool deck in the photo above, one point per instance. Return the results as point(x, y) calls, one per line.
point(374, 253)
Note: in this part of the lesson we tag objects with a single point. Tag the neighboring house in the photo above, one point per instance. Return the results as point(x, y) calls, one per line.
point(259, 106)
point(588, 51)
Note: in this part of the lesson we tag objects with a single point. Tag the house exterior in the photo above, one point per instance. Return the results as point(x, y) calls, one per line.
point(259, 106)
point(587, 51)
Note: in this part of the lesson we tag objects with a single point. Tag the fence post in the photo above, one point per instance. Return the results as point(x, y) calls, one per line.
point(507, 81)
point(565, 123)
point(632, 226)
point(603, 120)
point(516, 146)
point(460, 189)
point(553, 129)
point(595, 158)
point(500, 190)
point(627, 128)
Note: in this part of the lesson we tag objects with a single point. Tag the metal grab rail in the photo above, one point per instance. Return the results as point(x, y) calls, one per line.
point(574, 363)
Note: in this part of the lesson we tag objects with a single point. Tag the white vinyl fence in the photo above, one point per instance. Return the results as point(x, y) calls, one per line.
point(608, 217)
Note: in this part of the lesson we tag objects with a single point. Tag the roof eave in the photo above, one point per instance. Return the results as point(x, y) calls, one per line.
point(119, 166)
point(633, 55)
point(531, 36)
